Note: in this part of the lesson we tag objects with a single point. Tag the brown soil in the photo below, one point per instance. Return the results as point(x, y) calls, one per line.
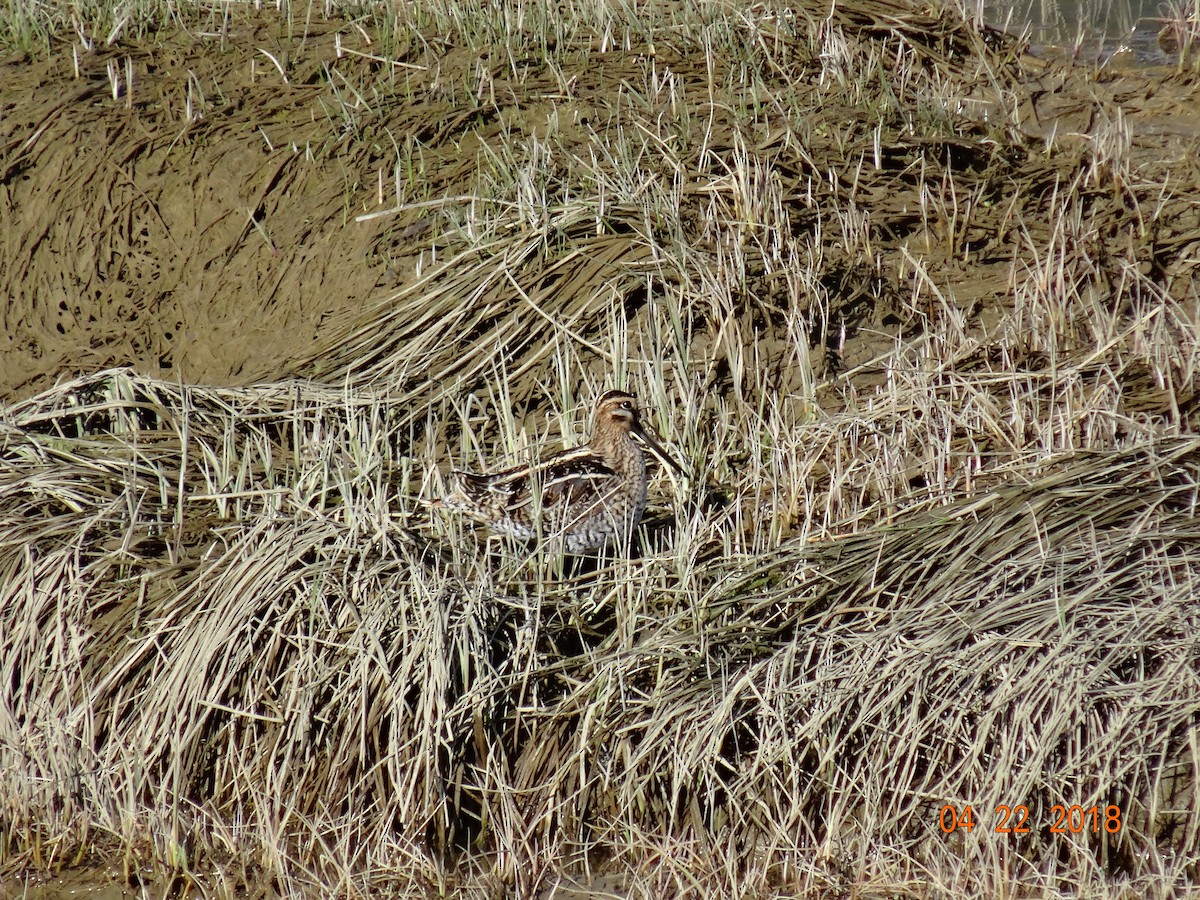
point(207, 251)
point(212, 250)
point(83, 884)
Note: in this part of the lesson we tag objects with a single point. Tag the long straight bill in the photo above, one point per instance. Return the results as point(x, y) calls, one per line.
point(647, 437)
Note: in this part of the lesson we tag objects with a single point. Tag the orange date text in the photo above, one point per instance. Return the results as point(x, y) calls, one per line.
point(1016, 819)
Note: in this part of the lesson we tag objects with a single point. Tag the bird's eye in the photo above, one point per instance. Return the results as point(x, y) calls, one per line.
point(626, 405)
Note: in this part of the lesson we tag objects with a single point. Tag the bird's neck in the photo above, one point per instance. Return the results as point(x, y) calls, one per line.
point(620, 453)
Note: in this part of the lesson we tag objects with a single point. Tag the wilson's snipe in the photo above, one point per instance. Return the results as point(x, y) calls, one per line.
point(585, 497)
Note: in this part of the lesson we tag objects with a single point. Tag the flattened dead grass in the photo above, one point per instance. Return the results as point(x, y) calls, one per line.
point(338, 681)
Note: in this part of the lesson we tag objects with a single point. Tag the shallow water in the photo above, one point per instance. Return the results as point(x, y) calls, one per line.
point(1092, 30)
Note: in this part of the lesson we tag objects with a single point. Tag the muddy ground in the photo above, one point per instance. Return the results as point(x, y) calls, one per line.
point(201, 224)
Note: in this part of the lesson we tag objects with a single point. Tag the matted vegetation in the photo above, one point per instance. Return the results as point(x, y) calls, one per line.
point(933, 363)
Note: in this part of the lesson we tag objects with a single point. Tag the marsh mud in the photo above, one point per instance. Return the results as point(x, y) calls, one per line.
point(199, 204)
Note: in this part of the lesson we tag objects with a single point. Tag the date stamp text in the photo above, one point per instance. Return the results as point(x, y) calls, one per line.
point(1016, 819)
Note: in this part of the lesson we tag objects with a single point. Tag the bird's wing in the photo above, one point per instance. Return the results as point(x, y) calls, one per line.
point(575, 477)
point(565, 477)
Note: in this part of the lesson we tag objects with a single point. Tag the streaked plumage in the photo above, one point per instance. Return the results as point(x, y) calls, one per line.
point(584, 498)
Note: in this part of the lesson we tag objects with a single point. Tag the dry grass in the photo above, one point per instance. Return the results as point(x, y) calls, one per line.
point(952, 564)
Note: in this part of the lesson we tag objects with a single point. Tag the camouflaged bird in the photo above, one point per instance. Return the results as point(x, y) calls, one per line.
point(584, 498)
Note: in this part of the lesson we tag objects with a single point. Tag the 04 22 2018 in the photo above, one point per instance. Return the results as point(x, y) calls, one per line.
point(1015, 819)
